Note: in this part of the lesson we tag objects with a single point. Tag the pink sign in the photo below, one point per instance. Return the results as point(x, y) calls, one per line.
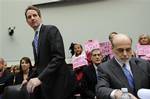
point(143, 49)
point(105, 48)
point(79, 62)
point(90, 45)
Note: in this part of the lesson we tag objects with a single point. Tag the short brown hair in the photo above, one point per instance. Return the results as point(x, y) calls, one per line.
point(110, 35)
point(32, 8)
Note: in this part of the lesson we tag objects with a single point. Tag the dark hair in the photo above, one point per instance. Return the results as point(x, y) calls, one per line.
point(27, 60)
point(32, 8)
point(110, 35)
point(95, 50)
point(71, 48)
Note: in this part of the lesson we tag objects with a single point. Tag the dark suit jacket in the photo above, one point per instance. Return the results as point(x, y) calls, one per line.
point(111, 76)
point(19, 77)
point(5, 80)
point(50, 63)
point(90, 82)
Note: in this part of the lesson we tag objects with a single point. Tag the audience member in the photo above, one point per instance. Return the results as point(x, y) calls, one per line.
point(144, 39)
point(123, 71)
point(111, 35)
point(90, 75)
point(25, 70)
point(6, 78)
point(78, 73)
point(110, 56)
point(78, 51)
point(15, 69)
point(143, 47)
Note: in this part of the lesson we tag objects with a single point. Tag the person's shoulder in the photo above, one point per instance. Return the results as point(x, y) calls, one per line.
point(106, 63)
point(106, 66)
point(49, 26)
point(51, 29)
point(139, 60)
point(8, 74)
point(87, 67)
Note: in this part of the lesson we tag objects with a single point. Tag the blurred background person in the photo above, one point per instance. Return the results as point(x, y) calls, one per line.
point(90, 75)
point(111, 35)
point(6, 78)
point(77, 53)
point(77, 50)
point(25, 69)
point(144, 39)
point(110, 55)
point(143, 47)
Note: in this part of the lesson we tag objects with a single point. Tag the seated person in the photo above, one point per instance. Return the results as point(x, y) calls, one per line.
point(25, 70)
point(90, 75)
point(6, 78)
point(122, 71)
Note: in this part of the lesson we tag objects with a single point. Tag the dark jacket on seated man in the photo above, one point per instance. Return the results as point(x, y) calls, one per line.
point(6, 79)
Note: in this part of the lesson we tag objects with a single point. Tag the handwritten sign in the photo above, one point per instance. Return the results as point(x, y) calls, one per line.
point(90, 45)
point(143, 49)
point(105, 48)
point(79, 62)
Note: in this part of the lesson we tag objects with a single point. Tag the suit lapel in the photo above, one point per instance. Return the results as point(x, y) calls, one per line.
point(36, 55)
point(41, 33)
point(94, 76)
point(136, 74)
point(117, 71)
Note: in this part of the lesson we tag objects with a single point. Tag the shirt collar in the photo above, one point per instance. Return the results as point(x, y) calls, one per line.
point(121, 62)
point(95, 66)
point(38, 29)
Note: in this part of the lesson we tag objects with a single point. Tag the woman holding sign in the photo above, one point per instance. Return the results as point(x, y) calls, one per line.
point(143, 47)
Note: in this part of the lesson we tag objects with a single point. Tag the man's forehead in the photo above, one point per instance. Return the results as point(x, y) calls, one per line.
point(96, 52)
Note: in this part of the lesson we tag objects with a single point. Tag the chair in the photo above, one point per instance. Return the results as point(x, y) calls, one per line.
point(15, 92)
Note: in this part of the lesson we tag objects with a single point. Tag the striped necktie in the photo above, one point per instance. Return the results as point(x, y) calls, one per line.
point(128, 76)
point(36, 41)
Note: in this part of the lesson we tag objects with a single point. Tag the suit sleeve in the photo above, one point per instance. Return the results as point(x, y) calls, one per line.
point(102, 88)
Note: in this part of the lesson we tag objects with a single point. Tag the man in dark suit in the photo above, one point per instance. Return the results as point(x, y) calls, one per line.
point(111, 75)
point(50, 79)
point(90, 75)
point(6, 78)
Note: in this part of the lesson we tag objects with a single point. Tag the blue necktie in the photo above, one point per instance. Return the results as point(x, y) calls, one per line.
point(36, 41)
point(128, 76)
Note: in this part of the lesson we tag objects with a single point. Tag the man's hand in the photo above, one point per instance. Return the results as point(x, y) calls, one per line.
point(24, 82)
point(118, 94)
point(132, 96)
point(34, 82)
